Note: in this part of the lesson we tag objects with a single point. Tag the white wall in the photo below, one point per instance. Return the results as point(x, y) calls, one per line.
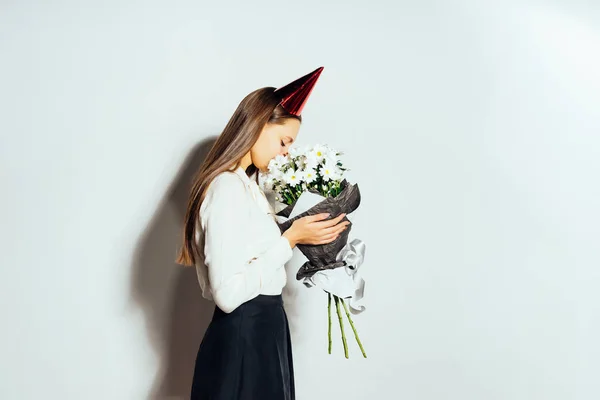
point(470, 126)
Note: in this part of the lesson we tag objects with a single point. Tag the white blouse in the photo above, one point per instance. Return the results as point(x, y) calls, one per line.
point(244, 252)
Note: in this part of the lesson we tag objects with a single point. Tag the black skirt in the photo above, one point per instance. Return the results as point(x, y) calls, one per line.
point(246, 354)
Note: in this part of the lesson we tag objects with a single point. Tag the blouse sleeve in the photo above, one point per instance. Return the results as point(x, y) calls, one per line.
point(236, 274)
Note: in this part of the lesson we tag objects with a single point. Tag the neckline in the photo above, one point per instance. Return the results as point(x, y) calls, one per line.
point(242, 173)
point(248, 179)
point(254, 186)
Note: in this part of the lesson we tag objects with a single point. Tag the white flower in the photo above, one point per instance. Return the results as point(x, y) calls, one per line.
point(330, 172)
point(332, 154)
point(330, 161)
point(311, 161)
point(278, 174)
point(319, 151)
point(295, 151)
point(292, 177)
point(309, 175)
point(332, 165)
point(277, 162)
point(299, 162)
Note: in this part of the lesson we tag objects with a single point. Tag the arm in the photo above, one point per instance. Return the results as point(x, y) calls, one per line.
point(236, 274)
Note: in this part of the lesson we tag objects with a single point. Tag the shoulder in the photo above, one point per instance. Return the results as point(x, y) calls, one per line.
point(225, 188)
point(226, 195)
point(227, 182)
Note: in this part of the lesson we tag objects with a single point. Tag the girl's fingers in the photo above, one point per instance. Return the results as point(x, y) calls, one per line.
point(328, 238)
point(330, 222)
point(337, 228)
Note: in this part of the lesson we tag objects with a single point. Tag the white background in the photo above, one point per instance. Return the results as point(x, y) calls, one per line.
point(471, 128)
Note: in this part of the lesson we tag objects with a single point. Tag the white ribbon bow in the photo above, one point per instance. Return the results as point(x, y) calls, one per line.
point(344, 282)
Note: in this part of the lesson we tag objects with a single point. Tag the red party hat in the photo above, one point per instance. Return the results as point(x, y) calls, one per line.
point(294, 95)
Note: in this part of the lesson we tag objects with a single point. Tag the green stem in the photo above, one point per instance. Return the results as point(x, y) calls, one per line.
point(337, 305)
point(329, 315)
point(354, 329)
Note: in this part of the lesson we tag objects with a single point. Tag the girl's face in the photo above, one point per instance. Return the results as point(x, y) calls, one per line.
point(273, 140)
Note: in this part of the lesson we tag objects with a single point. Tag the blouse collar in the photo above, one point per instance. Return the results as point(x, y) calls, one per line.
point(255, 189)
point(242, 173)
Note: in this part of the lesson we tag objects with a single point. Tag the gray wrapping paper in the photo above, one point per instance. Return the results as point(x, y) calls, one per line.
point(323, 257)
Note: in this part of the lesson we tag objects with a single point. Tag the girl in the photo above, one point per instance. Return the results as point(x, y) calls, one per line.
point(232, 238)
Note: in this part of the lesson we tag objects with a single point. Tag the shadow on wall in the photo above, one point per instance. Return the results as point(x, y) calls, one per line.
point(176, 315)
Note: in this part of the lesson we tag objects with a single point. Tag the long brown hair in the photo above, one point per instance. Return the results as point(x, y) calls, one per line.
point(241, 132)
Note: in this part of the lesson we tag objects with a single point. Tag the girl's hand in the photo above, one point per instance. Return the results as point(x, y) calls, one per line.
point(314, 229)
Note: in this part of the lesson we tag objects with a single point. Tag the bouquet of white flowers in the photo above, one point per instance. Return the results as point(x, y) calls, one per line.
point(310, 181)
